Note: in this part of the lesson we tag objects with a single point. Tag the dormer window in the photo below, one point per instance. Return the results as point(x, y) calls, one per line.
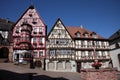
point(78, 34)
point(86, 34)
point(93, 35)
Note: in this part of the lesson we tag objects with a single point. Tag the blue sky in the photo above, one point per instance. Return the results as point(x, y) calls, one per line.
point(100, 16)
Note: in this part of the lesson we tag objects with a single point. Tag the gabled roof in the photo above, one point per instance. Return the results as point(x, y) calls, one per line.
point(73, 30)
point(55, 24)
point(30, 7)
point(116, 35)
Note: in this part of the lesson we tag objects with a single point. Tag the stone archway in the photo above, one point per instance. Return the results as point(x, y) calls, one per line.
point(4, 54)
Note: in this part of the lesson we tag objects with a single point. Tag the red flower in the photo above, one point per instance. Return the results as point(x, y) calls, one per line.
point(96, 65)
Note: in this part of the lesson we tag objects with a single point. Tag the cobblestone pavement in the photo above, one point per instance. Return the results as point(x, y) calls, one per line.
point(9, 71)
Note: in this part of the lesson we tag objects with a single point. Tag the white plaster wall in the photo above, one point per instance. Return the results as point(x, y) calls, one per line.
point(114, 57)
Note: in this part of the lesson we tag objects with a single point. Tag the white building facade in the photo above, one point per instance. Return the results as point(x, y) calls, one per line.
point(60, 50)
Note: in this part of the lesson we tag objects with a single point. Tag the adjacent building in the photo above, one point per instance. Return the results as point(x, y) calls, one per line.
point(6, 48)
point(29, 37)
point(71, 49)
point(115, 49)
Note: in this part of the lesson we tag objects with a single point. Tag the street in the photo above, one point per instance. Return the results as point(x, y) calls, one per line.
point(9, 71)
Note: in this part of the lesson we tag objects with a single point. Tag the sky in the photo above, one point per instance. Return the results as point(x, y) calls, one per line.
point(100, 16)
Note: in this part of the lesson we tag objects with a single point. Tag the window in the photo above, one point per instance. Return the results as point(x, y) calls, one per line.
point(17, 40)
point(85, 34)
point(83, 54)
point(34, 21)
point(89, 44)
point(40, 29)
point(52, 52)
point(63, 32)
point(34, 40)
point(35, 54)
point(40, 40)
point(52, 41)
point(97, 44)
point(78, 34)
point(97, 53)
point(55, 32)
point(17, 30)
point(35, 30)
point(94, 35)
point(59, 25)
point(30, 13)
point(66, 52)
point(103, 44)
point(57, 51)
point(41, 53)
point(82, 43)
point(90, 54)
point(103, 53)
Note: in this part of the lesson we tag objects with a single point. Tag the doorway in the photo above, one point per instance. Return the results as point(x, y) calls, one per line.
point(4, 54)
point(78, 66)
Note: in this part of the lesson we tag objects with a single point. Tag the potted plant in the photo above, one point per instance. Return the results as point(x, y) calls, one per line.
point(96, 64)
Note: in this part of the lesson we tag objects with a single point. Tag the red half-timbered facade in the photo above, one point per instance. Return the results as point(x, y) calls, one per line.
point(29, 37)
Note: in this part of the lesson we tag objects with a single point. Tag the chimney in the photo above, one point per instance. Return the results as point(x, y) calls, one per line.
point(81, 26)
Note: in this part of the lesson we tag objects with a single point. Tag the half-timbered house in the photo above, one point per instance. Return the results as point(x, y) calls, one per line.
point(60, 49)
point(71, 49)
point(89, 46)
point(29, 37)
